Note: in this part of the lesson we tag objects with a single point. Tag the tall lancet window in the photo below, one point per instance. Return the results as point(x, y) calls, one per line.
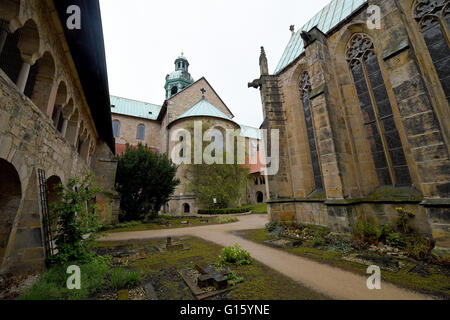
point(305, 90)
point(384, 139)
point(433, 17)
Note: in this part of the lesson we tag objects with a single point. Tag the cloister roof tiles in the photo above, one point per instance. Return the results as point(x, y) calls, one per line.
point(134, 108)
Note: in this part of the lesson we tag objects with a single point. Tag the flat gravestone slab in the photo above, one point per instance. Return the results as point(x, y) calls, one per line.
point(190, 277)
point(150, 291)
point(211, 277)
point(385, 263)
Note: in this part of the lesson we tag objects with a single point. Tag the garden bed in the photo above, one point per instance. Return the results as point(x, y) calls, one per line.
point(421, 276)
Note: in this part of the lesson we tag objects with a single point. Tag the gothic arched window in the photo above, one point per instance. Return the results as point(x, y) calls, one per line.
point(384, 139)
point(140, 132)
point(305, 90)
point(433, 17)
point(116, 128)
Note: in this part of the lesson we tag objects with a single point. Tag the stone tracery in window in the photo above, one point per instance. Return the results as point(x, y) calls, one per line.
point(433, 18)
point(305, 90)
point(384, 140)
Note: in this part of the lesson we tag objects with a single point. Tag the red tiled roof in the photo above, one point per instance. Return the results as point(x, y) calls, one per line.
point(254, 163)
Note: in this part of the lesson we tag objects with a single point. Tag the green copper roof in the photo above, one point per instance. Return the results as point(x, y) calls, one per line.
point(250, 132)
point(134, 108)
point(204, 109)
point(180, 74)
point(328, 18)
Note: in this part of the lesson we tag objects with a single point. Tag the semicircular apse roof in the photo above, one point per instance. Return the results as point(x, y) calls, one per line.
point(204, 109)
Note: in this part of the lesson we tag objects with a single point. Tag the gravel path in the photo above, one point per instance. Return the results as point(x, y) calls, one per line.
point(333, 282)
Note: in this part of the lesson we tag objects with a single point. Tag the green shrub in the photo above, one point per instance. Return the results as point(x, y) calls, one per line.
point(274, 228)
point(370, 232)
point(235, 255)
point(419, 247)
point(234, 279)
point(395, 240)
point(223, 211)
point(77, 223)
point(223, 220)
point(145, 181)
point(122, 278)
point(403, 220)
point(338, 242)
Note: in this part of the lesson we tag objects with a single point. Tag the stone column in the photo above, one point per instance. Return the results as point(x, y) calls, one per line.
point(64, 127)
point(23, 76)
point(3, 36)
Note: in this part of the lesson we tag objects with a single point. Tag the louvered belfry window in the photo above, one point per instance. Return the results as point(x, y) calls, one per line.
point(433, 17)
point(385, 143)
point(305, 90)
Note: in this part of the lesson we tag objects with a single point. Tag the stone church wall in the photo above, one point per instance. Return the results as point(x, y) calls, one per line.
point(128, 131)
point(30, 140)
point(351, 185)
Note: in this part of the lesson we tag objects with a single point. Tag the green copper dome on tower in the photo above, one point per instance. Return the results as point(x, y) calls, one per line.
point(178, 79)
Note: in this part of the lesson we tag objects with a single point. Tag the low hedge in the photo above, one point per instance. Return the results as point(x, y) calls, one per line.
point(223, 211)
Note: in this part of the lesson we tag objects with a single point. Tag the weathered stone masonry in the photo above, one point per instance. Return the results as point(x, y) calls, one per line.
point(380, 123)
point(47, 124)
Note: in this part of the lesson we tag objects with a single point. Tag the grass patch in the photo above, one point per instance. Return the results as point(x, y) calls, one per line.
point(96, 277)
point(259, 208)
point(435, 282)
point(167, 222)
point(122, 278)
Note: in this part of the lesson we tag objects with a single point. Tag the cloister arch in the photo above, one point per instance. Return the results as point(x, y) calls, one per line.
point(40, 82)
point(10, 197)
point(28, 43)
point(60, 101)
point(72, 126)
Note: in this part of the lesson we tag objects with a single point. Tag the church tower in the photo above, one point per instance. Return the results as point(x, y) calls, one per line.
point(178, 79)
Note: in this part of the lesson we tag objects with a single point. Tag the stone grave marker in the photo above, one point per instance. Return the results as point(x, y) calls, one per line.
point(211, 277)
point(172, 246)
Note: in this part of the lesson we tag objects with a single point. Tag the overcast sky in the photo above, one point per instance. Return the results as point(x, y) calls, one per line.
point(221, 40)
